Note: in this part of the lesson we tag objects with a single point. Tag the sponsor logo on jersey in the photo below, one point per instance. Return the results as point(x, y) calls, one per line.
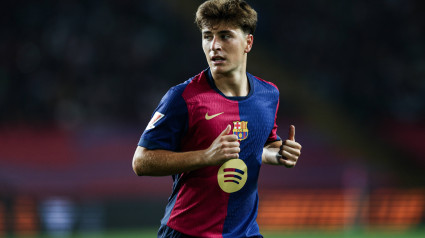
point(156, 117)
point(232, 175)
point(240, 128)
point(207, 117)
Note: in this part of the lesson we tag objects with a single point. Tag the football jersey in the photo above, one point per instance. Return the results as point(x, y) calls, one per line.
point(215, 201)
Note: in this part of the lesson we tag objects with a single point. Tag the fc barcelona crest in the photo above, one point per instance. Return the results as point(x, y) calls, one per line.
point(240, 128)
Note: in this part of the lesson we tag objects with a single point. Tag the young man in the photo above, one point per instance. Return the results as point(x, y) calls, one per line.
point(213, 132)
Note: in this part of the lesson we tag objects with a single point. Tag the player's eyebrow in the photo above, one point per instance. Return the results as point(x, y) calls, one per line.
point(220, 32)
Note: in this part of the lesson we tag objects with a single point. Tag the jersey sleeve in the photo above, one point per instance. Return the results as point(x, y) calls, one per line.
point(273, 134)
point(168, 122)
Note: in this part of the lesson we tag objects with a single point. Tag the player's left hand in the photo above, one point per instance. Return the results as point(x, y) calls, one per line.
point(290, 150)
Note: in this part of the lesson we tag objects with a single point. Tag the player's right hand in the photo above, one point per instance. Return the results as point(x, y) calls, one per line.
point(225, 147)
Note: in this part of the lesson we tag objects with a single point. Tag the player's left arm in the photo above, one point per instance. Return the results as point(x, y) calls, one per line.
point(286, 153)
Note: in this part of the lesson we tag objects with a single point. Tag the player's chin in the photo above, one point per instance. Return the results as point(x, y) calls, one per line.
point(219, 68)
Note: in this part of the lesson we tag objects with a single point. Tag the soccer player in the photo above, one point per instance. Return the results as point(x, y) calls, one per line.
point(213, 132)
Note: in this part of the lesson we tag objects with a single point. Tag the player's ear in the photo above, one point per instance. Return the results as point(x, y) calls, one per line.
point(250, 42)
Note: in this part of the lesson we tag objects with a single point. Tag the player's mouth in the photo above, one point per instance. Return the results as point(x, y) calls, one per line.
point(217, 59)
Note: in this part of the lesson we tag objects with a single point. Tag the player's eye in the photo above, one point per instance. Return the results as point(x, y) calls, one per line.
point(226, 37)
point(207, 37)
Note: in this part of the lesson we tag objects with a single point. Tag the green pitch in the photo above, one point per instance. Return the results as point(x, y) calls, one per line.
point(310, 234)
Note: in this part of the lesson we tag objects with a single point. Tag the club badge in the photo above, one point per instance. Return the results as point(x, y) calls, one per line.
point(240, 129)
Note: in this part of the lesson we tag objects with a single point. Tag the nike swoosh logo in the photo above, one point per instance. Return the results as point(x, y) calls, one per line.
point(212, 116)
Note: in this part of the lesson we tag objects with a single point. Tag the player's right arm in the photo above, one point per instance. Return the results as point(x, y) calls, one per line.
point(164, 162)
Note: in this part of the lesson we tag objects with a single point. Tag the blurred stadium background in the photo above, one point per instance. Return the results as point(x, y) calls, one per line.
point(80, 79)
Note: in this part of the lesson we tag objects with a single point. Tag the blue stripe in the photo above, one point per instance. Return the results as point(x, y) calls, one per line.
point(240, 171)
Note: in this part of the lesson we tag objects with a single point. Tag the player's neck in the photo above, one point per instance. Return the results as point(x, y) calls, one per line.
point(233, 84)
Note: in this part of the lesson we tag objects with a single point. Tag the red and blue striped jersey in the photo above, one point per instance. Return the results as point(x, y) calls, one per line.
point(215, 201)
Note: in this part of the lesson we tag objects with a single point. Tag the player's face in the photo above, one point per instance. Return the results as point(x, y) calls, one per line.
point(226, 48)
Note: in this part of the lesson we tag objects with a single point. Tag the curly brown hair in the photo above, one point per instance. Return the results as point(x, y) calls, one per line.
point(235, 12)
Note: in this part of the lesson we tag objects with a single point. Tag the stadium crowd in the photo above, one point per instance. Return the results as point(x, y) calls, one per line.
point(73, 62)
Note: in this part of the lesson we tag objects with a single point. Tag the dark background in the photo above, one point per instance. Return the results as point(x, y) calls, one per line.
point(80, 79)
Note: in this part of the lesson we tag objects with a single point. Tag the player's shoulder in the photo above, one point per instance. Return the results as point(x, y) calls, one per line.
point(264, 84)
point(177, 90)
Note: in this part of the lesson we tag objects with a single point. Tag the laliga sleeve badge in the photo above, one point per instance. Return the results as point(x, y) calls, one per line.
point(156, 117)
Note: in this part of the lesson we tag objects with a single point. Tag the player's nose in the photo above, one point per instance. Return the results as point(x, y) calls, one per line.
point(215, 44)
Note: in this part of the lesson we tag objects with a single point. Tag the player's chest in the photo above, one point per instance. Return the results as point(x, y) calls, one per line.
point(246, 119)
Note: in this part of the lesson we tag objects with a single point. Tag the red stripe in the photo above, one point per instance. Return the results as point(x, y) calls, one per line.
point(234, 181)
point(194, 203)
point(229, 170)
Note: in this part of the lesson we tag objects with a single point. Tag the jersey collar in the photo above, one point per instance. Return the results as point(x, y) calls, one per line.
point(210, 80)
